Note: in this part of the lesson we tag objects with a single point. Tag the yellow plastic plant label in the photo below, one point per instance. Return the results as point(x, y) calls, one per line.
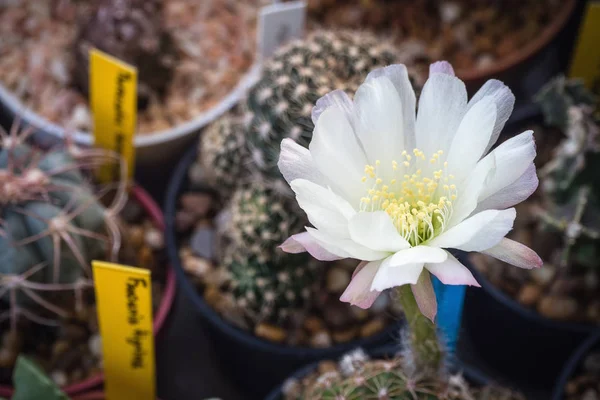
point(113, 99)
point(586, 59)
point(124, 304)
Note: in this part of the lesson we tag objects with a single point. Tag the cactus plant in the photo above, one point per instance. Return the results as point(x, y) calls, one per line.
point(132, 31)
point(52, 224)
point(358, 377)
point(281, 102)
point(571, 191)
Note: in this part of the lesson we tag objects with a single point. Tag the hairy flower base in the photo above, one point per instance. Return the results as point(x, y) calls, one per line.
point(419, 204)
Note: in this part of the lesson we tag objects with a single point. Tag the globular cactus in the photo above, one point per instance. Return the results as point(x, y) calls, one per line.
point(133, 32)
point(224, 158)
point(271, 291)
point(571, 203)
point(260, 219)
point(279, 106)
point(267, 283)
point(358, 377)
point(52, 224)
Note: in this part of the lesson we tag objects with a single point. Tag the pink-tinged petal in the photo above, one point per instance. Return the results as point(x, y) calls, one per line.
point(441, 67)
point(295, 162)
point(452, 272)
point(512, 194)
point(302, 242)
point(425, 296)
point(515, 254)
point(337, 98)
point(358, 292)
point(389, 277)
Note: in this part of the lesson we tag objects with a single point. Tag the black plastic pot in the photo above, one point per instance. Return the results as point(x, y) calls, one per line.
point(514, 341)
point(571, 367)
point(256, 365)
point(474, 376)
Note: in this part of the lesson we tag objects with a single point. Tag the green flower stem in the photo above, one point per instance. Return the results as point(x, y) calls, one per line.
point(424, 343)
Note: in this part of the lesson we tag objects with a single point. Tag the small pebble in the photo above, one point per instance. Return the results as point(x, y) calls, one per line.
point(270, 332)
point(212, 296)
point(335, 314)
point(135, 236)
point(154, 238)
point(544, 275)
point(372, 327)
point(313, 324)
point(557, 307)
point(196, 266)
point(184, 220)
point(320, 340)
point(202, 242)
point(59, 377)
point(337, 280)
point(327, 366)
point(73, 332)
point(59, 347)
point(344, 336)
point(7, 358)
point(197, 203)
point(529, 295)
point(132, 212)
point(95, 345)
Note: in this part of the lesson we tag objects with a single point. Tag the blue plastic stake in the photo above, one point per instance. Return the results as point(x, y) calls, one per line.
point(450, 304)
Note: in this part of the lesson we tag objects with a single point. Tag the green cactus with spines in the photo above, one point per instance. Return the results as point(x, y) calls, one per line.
point(223, 154)
point(261, 219)
point(571, 203)
point(360, 378)
point(279, 106)
point(52, 224)
point(270, 291)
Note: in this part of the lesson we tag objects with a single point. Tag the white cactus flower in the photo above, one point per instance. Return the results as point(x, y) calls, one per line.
point(395, 190)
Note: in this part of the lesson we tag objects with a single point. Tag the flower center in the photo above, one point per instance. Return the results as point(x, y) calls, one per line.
point(419, 203)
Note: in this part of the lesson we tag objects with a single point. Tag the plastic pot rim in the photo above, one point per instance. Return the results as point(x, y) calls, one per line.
point(175, 187)
point(16, 108)
point(160, 317)
point(573, 363)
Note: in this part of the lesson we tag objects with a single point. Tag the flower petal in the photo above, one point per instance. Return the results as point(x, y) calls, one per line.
point(513, 157)
point(358, 292)
point(512, 194)
point(376, 231)
point(418, 254)
point(504, 99)
point(442, 105)
point(398, 75)
point(326, 210)
point(469, 190)
point(452, 272)
point(379, 122)
point(515, 254)
point(302, 242)
point(345, 247)
point(337, 98)
point(441, 67)
point(425, 296)
point(471, 138)
point(337, 153)
point(388, 276)
point(479, 232)
point(295, 162)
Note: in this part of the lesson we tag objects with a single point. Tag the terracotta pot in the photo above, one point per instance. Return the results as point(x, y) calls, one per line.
point(154, 212)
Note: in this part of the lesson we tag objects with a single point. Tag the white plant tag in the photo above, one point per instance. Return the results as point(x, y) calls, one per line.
point(278, 23)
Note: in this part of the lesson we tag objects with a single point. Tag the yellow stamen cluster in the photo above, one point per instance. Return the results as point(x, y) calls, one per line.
point(420, 204)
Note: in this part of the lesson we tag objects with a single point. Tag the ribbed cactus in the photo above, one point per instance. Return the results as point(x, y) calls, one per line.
point(270, 291)
point(52, 224)
point(260, 220)
point(224, 157)
point(132, 31)
point(359, 378)
point(280, 105)
point(572, 191)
